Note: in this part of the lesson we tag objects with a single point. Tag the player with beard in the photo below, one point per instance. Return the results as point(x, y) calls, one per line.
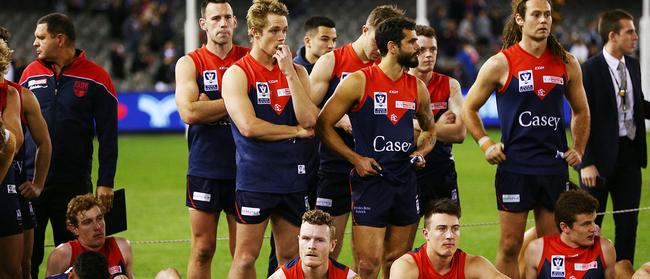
point(440, 256)
point(577, 252)
point(316, 241)
point(438, 179)
point(333, 188)
point(211, 168)
point(532, 76)
point(381, 101)
point(266, 96)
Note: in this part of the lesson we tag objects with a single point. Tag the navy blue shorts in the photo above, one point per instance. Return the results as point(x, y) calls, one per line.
point(255, 207)
point(27, 213)
point(378, 202)
point(333, 193)
point(437, 183)
point(523, 192)
point(10, 217)
point(210, 195)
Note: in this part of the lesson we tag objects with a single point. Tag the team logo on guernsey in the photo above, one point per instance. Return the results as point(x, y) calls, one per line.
point(80, 88)
point(438, 105)
point(381, 104)
point(115, 269)
point(585, 266)
point(553, 80)
point(263, 93)
point(557, 266)
point(405, 105)
point(37, 83)
point(344, 75)
point(210, 82)
point(526, 81)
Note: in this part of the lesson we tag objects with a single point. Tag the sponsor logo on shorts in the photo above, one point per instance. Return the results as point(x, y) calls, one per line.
point(557, 266)
point(362, 209)
point(323, 202)
point(11, 189)
point(553, 79)
point(405, 105)
point(526, 81)
point(19, 216)
point(250, 211)
point(585, 266)
point(381, 103)
point(210, 82)
point(510, 198)
point(306, 203)
point(454, 195)
point(284, 92)
point(263, 93)
point(417, 204)
point(301, 169)
point(37, 83)
point(115, 269)
point(204, 197)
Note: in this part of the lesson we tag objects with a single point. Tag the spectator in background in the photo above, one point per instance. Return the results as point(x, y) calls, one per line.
point(578, 48)
point(164, 77)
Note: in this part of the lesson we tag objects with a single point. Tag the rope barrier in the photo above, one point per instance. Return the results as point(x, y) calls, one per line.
point(471, 225)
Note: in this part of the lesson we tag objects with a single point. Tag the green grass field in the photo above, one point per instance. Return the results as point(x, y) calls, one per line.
point(152, 168)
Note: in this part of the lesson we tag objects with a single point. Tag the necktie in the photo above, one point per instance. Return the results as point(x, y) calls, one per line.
point(626, 100)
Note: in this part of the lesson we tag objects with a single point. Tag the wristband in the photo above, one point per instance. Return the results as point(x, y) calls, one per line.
point(482, 140)
point(490, 149)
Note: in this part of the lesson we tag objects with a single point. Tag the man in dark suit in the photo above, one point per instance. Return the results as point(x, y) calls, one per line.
point(616, 150)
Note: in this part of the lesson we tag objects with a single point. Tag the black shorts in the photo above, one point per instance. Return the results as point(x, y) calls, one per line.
point(10, 216)
point(27, 213)
point(441, 182)
point(523, 192)
point(255, 207)
point(210, 195)
point(333, 193)
point(378, 202)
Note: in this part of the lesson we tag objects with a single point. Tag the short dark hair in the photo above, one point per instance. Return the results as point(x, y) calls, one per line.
point(91, 265)
point(392, 30)
point(319, 217)
point(204, 4)
point(610, 21)
point(427, 31)
point(441, 206)
point(317, 21)
point(571, 203)
point(5, 34)
point(58, 23)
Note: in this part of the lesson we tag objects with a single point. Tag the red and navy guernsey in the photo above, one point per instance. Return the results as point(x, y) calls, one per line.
point(278, 167)
point(382, 122)
point(531, 113)
point(562, 261)
point(335, 270)
point(77, 103)
point(439, 93)
point(110, 250)
point(426, 270)
point(211, 146)
point(346, 61)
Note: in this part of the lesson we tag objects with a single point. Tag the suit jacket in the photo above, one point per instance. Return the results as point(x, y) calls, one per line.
point(602, 147)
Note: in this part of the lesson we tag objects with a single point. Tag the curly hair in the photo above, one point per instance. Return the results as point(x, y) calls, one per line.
point(5, 56)
point(572, 203)
point(319, 217)
point(80, 204)
point(381, 13)
point(512, 32)
point(257, 13)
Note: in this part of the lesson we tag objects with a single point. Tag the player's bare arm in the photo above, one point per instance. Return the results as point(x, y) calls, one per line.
point(533, 256)
point(7, 156)
point(191, 108)
point(243, 115)
point(298, 79)
point(59, 260)
point(610, 257)
point(38, 128)
point(348, 93)
point(427, 137)
point(452, 131)
point(127, 254)
point(404, 267)
point(580, 119)
point(492, 76)
point(478, 267)
point(320, 77)
point(11, 116)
